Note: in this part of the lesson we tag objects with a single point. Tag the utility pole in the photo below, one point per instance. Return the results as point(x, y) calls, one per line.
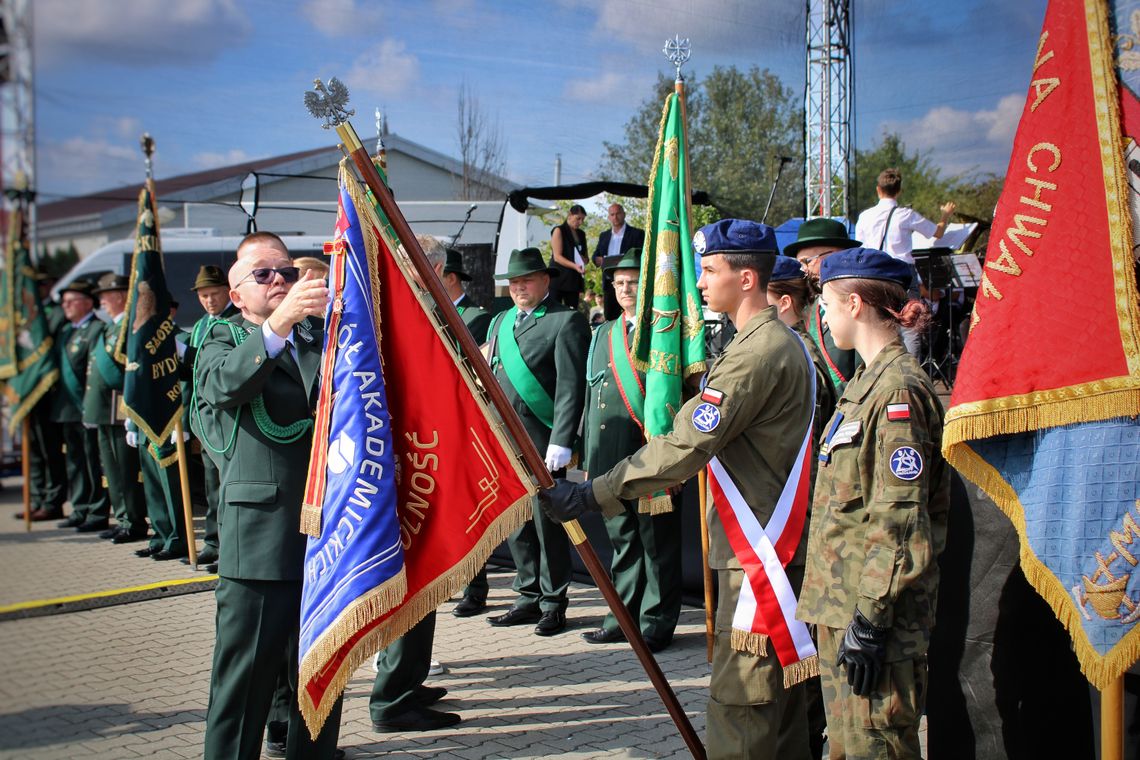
point(828, 105)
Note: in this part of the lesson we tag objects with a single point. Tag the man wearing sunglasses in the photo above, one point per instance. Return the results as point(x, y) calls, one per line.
point(258, 375)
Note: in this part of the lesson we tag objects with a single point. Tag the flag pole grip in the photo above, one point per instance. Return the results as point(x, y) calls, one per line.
point(1112, 720)
point(530, 455)
point(184, 480)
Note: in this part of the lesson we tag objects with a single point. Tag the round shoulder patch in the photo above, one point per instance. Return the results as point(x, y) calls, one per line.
point(699, 241)
point(706, 417)
point(906, 463)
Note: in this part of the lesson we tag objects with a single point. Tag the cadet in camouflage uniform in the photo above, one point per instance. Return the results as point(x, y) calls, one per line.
point(815, 241)
point(879, 517)
point(646, 564)
point(752, 417)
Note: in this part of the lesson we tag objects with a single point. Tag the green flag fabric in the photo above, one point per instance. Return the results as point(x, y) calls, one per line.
point(8, 295)
point(669, 340)
point(152, 395)
point(35, 361)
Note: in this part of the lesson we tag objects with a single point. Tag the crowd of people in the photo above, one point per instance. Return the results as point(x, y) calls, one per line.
point(817, 373)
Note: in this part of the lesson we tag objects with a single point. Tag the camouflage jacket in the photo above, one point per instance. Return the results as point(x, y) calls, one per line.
point(882, 496)
point(761, 400)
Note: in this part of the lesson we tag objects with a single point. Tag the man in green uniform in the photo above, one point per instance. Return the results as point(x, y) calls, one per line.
point(752, 416)
point(259, 374)
point(538, 349)
point(90, 507)
point(101, 396)
point(214, 294)
point(816, 240)
point(48, 480)
point(399, 701)
point(646, 564)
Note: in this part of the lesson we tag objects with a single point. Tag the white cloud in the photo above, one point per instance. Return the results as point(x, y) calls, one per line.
point(609, 85)
point(81, 165)
point(963, 141)
point(721, 25)
point(384, 69)
point(151, 32)
point(339, 18)
point(212, 160)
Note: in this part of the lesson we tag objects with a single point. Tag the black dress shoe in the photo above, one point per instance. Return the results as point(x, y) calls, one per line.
point(99, 523)
point(165, 555)
point(205, 557)
point(551, 623)
point(43, 515)
point(469, 606)
point(656, 644)
point(602, 636)
point(416, 719)
point(110, 533)
point(127, 537)
point(426, 696)
point(73, 521)
point(212, 568)
point(274, 748)
point(147, 551)
point(515, 616)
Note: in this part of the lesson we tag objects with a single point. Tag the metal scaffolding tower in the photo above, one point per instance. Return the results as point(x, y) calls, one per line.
point(827, 109)
point(17, 100)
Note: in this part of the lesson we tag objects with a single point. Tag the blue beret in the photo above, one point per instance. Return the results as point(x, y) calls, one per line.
point(735, 236)
point(786, 268)
point(864, 264)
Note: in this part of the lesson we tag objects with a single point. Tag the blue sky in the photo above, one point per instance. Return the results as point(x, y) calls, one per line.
point(220, 81)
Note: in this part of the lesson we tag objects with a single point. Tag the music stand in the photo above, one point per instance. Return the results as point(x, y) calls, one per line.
point(936, 267)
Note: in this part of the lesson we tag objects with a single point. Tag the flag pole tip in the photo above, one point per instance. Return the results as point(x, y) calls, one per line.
point(677, 50)
point(329, 102)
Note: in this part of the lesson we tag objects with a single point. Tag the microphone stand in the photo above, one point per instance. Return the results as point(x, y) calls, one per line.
point(775, 182)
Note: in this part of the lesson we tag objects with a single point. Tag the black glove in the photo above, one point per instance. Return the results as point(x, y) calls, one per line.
point(863, 649)
point(568, 501)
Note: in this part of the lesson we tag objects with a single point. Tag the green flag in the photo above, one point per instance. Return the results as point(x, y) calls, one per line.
point(35, 361)
point(152, 394)
point(8, 295)
point(669, 342)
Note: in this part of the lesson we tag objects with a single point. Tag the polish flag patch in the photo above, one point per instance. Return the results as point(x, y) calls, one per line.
point(896, 412)
point(712, 396)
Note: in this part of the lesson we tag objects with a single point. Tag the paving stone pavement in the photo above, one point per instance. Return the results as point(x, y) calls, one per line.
point(131, 680)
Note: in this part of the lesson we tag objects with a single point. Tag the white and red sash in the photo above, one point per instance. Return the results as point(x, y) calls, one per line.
point(767, 602)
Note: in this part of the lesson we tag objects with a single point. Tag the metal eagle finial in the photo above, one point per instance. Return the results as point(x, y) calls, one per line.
point(328, 102)
point(146, 142)
point(677, 51)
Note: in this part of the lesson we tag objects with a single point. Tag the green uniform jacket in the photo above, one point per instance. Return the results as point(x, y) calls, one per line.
point(610, 433)
point(476, 319)
point(879, 515)
point(554, 347)
point(74, 347)
point(762, 419)
point(102, 377)
point(263, 481)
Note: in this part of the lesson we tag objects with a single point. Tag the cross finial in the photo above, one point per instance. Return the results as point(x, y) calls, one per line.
point(677, 51)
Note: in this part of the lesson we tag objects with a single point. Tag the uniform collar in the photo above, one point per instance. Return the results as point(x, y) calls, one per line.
point(866, 376)
point(757, 321)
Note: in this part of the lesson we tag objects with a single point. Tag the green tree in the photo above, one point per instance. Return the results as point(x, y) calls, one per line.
point(738, 123)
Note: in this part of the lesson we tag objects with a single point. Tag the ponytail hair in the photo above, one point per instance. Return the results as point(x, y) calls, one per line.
point(888, 299)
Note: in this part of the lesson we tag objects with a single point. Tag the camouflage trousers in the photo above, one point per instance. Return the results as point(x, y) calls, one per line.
point(883, 726)
point(750, 713)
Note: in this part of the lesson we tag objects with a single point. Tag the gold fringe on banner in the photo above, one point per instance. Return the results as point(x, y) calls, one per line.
point(658, 504)
point(22, 407)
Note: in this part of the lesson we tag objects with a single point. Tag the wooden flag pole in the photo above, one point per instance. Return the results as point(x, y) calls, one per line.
point(1112, 720)
point(514, 425)
point(26, 469)
point(706, 571)
point(184, 480)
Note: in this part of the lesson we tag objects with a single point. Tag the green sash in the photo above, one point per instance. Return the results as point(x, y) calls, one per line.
point(71, 381)
point(628, 383)
point(529, 389)
point(109, 369)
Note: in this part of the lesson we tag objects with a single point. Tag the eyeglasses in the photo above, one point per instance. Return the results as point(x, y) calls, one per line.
point(265, 275)
point(809, 259)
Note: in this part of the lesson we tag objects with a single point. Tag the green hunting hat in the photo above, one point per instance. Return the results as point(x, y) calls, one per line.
point(111, 281)
point(210, 276)
point(454, 265)
point(524, 262)
point(631, 259)
point(821, 231)
point(80, 286)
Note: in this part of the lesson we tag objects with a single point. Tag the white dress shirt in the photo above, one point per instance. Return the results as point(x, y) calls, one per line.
point(904, 221)
point(615, 242)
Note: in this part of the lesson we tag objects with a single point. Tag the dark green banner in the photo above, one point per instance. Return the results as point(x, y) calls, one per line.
point(35, 361)
point(152, 394)
point(7, 297)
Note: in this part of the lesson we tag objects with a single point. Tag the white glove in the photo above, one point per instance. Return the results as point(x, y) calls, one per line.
point(180, 348)
point(132, 439)
point(174, 437)
point(557, 457)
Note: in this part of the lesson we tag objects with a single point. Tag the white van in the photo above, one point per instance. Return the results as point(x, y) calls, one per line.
point(183, 253)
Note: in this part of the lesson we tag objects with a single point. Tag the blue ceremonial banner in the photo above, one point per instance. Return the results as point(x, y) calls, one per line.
point(354, 563)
